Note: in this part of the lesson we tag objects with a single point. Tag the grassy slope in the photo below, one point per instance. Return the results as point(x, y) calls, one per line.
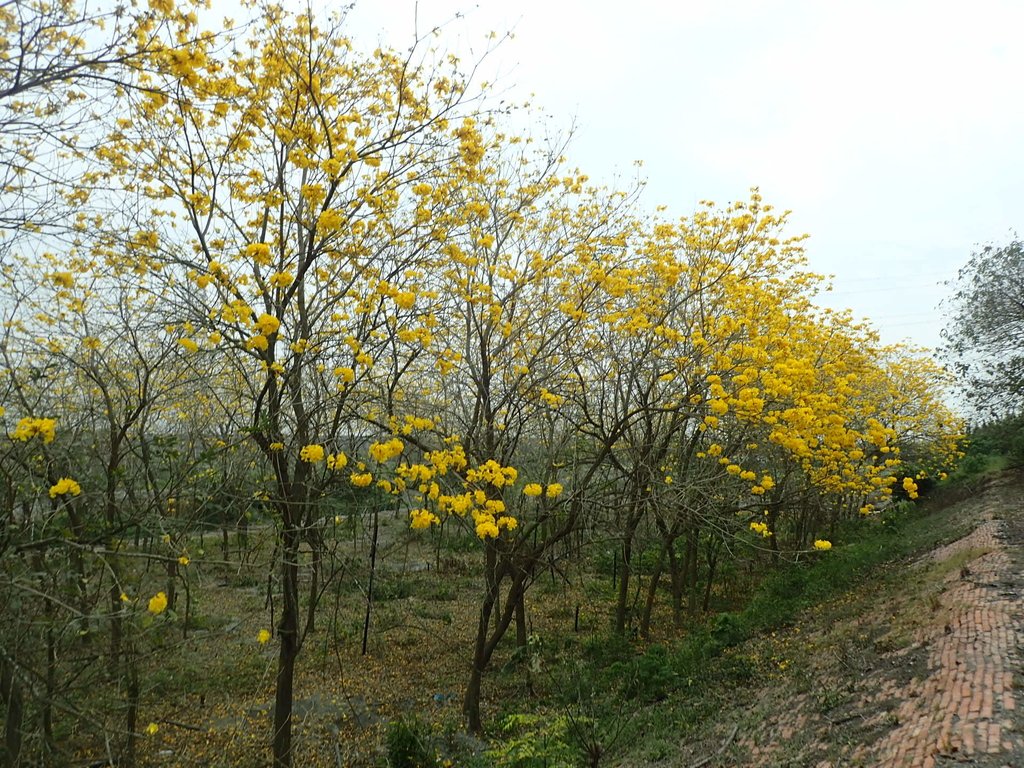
point(579, 695)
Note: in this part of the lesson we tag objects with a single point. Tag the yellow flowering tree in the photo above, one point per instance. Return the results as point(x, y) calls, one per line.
point(295, 190)
point(523, 230)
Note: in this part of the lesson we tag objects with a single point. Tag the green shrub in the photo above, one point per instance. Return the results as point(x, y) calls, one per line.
point(535, 741)
point(649, 677)
point(409, 744)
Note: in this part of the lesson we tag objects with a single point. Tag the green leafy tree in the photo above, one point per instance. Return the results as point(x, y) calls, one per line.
point(985, 332)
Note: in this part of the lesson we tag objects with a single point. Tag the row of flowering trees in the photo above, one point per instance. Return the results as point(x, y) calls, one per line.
point(298, 272)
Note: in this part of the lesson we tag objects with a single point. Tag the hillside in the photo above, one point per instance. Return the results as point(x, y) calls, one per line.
point(914, 667)
point(898, 648)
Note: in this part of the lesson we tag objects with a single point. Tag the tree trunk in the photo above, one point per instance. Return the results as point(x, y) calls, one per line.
point(172, 579)
point(288, 635)
point(676, 570)
point(622, 601)
point(652, 591)
point(692, 553)
point(132, 719)
point(373, 571)
point(10, 690)
point(521, 633)
point(712, 556)
point(471, 704)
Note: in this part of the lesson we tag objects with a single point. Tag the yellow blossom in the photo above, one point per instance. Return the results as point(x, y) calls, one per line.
point(281, 279)
point(267, 324)
point(761, 528)
point(486, 528)
point(361, 480)
point(259, 252)
point(312, 453)
point(382, 452)
point(822, 545)
point(263, 637)
point(257, 342)
point(65, 486)
point(158, 603)
point(28, 428)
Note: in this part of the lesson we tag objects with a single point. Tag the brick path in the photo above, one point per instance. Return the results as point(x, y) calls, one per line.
point(962, 709)
point(948, 697)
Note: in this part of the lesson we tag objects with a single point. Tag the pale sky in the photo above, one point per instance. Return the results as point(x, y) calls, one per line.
point(893, 129)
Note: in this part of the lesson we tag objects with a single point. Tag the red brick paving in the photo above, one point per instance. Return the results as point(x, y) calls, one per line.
point(959, 708)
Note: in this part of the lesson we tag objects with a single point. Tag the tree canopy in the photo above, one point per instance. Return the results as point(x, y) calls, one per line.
point(985, 332)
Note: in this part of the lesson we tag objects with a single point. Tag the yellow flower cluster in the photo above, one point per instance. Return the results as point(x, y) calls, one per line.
point(158, 603)
point(492, 472)
point(267, 325)
point(28, 428)
point(382, 452)
point(416, 423)
point(822, 545)
point(761, 528)
point(259, 253)
point(281, 279)
point(448, 459)
point(490, 523)
point(64, 487)
point(422, 518)
point(337, 460)
point(312, 454)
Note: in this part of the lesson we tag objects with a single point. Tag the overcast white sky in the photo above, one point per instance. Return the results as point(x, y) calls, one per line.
point(893, 129)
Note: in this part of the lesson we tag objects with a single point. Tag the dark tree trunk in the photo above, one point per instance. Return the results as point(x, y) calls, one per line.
point(521, 634)
point(10, 690)
point(622, 600)
point(676, 571)
point(288, 635)
point(373, 571)
point(692, 553)
point(712, 555)
point(652, 591)
point(132, 719)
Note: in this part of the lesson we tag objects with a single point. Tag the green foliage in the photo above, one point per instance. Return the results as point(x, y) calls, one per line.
point(984, 336)
point(409, 744)
point(648, 677)
point(992, 447)
point(537, 740)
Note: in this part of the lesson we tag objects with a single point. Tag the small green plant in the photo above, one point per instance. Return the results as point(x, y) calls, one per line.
point(409, 744)
point(649, 677)
point(535, 741)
